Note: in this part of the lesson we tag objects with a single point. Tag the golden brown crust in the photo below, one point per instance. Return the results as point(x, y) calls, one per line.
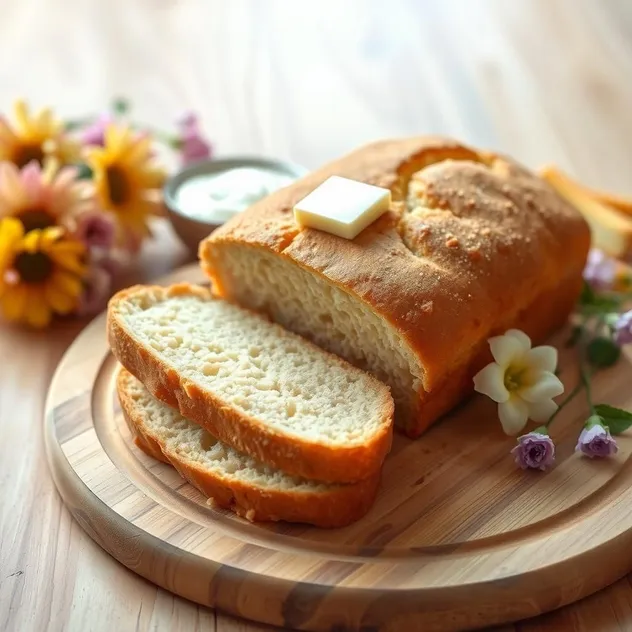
point(472, 237)
point(548, 312)
point(337, 506)
point(308, 459)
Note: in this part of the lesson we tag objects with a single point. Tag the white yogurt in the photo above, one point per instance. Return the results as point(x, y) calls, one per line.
point(216, 197)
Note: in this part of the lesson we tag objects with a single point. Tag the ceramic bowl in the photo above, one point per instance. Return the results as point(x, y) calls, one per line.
point(188, 225)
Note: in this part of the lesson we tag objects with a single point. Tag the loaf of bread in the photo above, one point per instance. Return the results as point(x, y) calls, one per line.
point(233, 480)
point(472, 245)
point(255, 386)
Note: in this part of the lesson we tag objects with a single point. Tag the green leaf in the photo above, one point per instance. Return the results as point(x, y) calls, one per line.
point(602, 305)
point(588, 296)
point(594, 420)
point(84, 171)
point(592, 303)
point(616, 419)
point(120, 106)
point(576, 334)
point(602, 352)
point(610, 320)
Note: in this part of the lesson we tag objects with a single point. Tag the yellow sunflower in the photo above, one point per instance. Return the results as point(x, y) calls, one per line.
point(39, 137)
point(126, 180)
point(40, 273)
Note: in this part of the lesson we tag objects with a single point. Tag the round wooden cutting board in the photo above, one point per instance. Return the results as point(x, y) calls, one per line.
point(458, 537)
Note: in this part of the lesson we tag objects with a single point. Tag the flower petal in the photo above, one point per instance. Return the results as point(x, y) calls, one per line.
point(59, 300)
point(138, 151)
point(49, 237)
point(521, 337)
point(22, 118)
point(31, 177)
point(7, 137)
point(67, 246)
point(149, 178)
point(513, 415)
point(545, 385)
point(490, 381)
point(68, 262)
point(541, 411)
point(505, 349)
point(543, 358)
point(11, 232)
point(38, 313)
point(31, 241)
point(46, 122)
point(68, 283)
point(12, 187)
point(14, 302)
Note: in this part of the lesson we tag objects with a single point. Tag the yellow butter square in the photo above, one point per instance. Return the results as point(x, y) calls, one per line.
point(342, 206)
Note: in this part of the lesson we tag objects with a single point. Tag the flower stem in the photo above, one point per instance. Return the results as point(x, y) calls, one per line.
point(566, 400)
point(585, 380)
point(164, 137)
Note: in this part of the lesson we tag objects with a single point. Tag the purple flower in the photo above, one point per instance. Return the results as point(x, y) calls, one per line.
point(94, 134)
point(96, 230)
point(191, 142)
point(96, 292)
point(112, 260)
point(596, 441)
point(600, 270)
point(188, 120)
point(534, 450)
point(623, 329)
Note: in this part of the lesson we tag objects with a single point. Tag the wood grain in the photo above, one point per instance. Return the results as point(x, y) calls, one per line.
point(545, 80)
point(458, 537)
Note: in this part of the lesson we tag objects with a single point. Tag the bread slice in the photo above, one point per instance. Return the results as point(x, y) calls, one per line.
point(262, 390)
point(609, 219)
point(235, 481)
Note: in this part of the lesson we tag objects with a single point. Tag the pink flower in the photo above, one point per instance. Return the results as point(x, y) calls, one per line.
point(111, 260)
point(191, 142)
point(94, 134)
point(41, 198)
point(96, 230)
point(535, 450)
point(97, 288)
point(596, 441)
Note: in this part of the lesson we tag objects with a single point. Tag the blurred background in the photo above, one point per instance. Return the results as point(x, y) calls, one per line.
point(546, 80)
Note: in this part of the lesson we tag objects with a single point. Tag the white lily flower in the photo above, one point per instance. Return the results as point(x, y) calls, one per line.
point(521, 380)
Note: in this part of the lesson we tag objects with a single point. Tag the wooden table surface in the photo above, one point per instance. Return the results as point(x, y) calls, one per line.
point(544, 80)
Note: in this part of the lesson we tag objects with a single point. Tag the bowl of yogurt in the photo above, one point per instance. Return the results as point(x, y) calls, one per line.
point(204, 195)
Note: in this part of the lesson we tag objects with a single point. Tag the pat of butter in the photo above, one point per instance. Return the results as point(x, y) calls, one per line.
point(342, 207)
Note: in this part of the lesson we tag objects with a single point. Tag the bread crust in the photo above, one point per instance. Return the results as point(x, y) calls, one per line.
point(471, 242)
point(337, 506)
point(245, 433)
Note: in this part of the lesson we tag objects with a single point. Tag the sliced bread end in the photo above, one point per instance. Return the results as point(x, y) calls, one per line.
point(234, 481)
point(350, 458)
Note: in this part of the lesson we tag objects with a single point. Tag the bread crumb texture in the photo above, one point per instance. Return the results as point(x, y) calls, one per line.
point(257, 367)
point(193, 445)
